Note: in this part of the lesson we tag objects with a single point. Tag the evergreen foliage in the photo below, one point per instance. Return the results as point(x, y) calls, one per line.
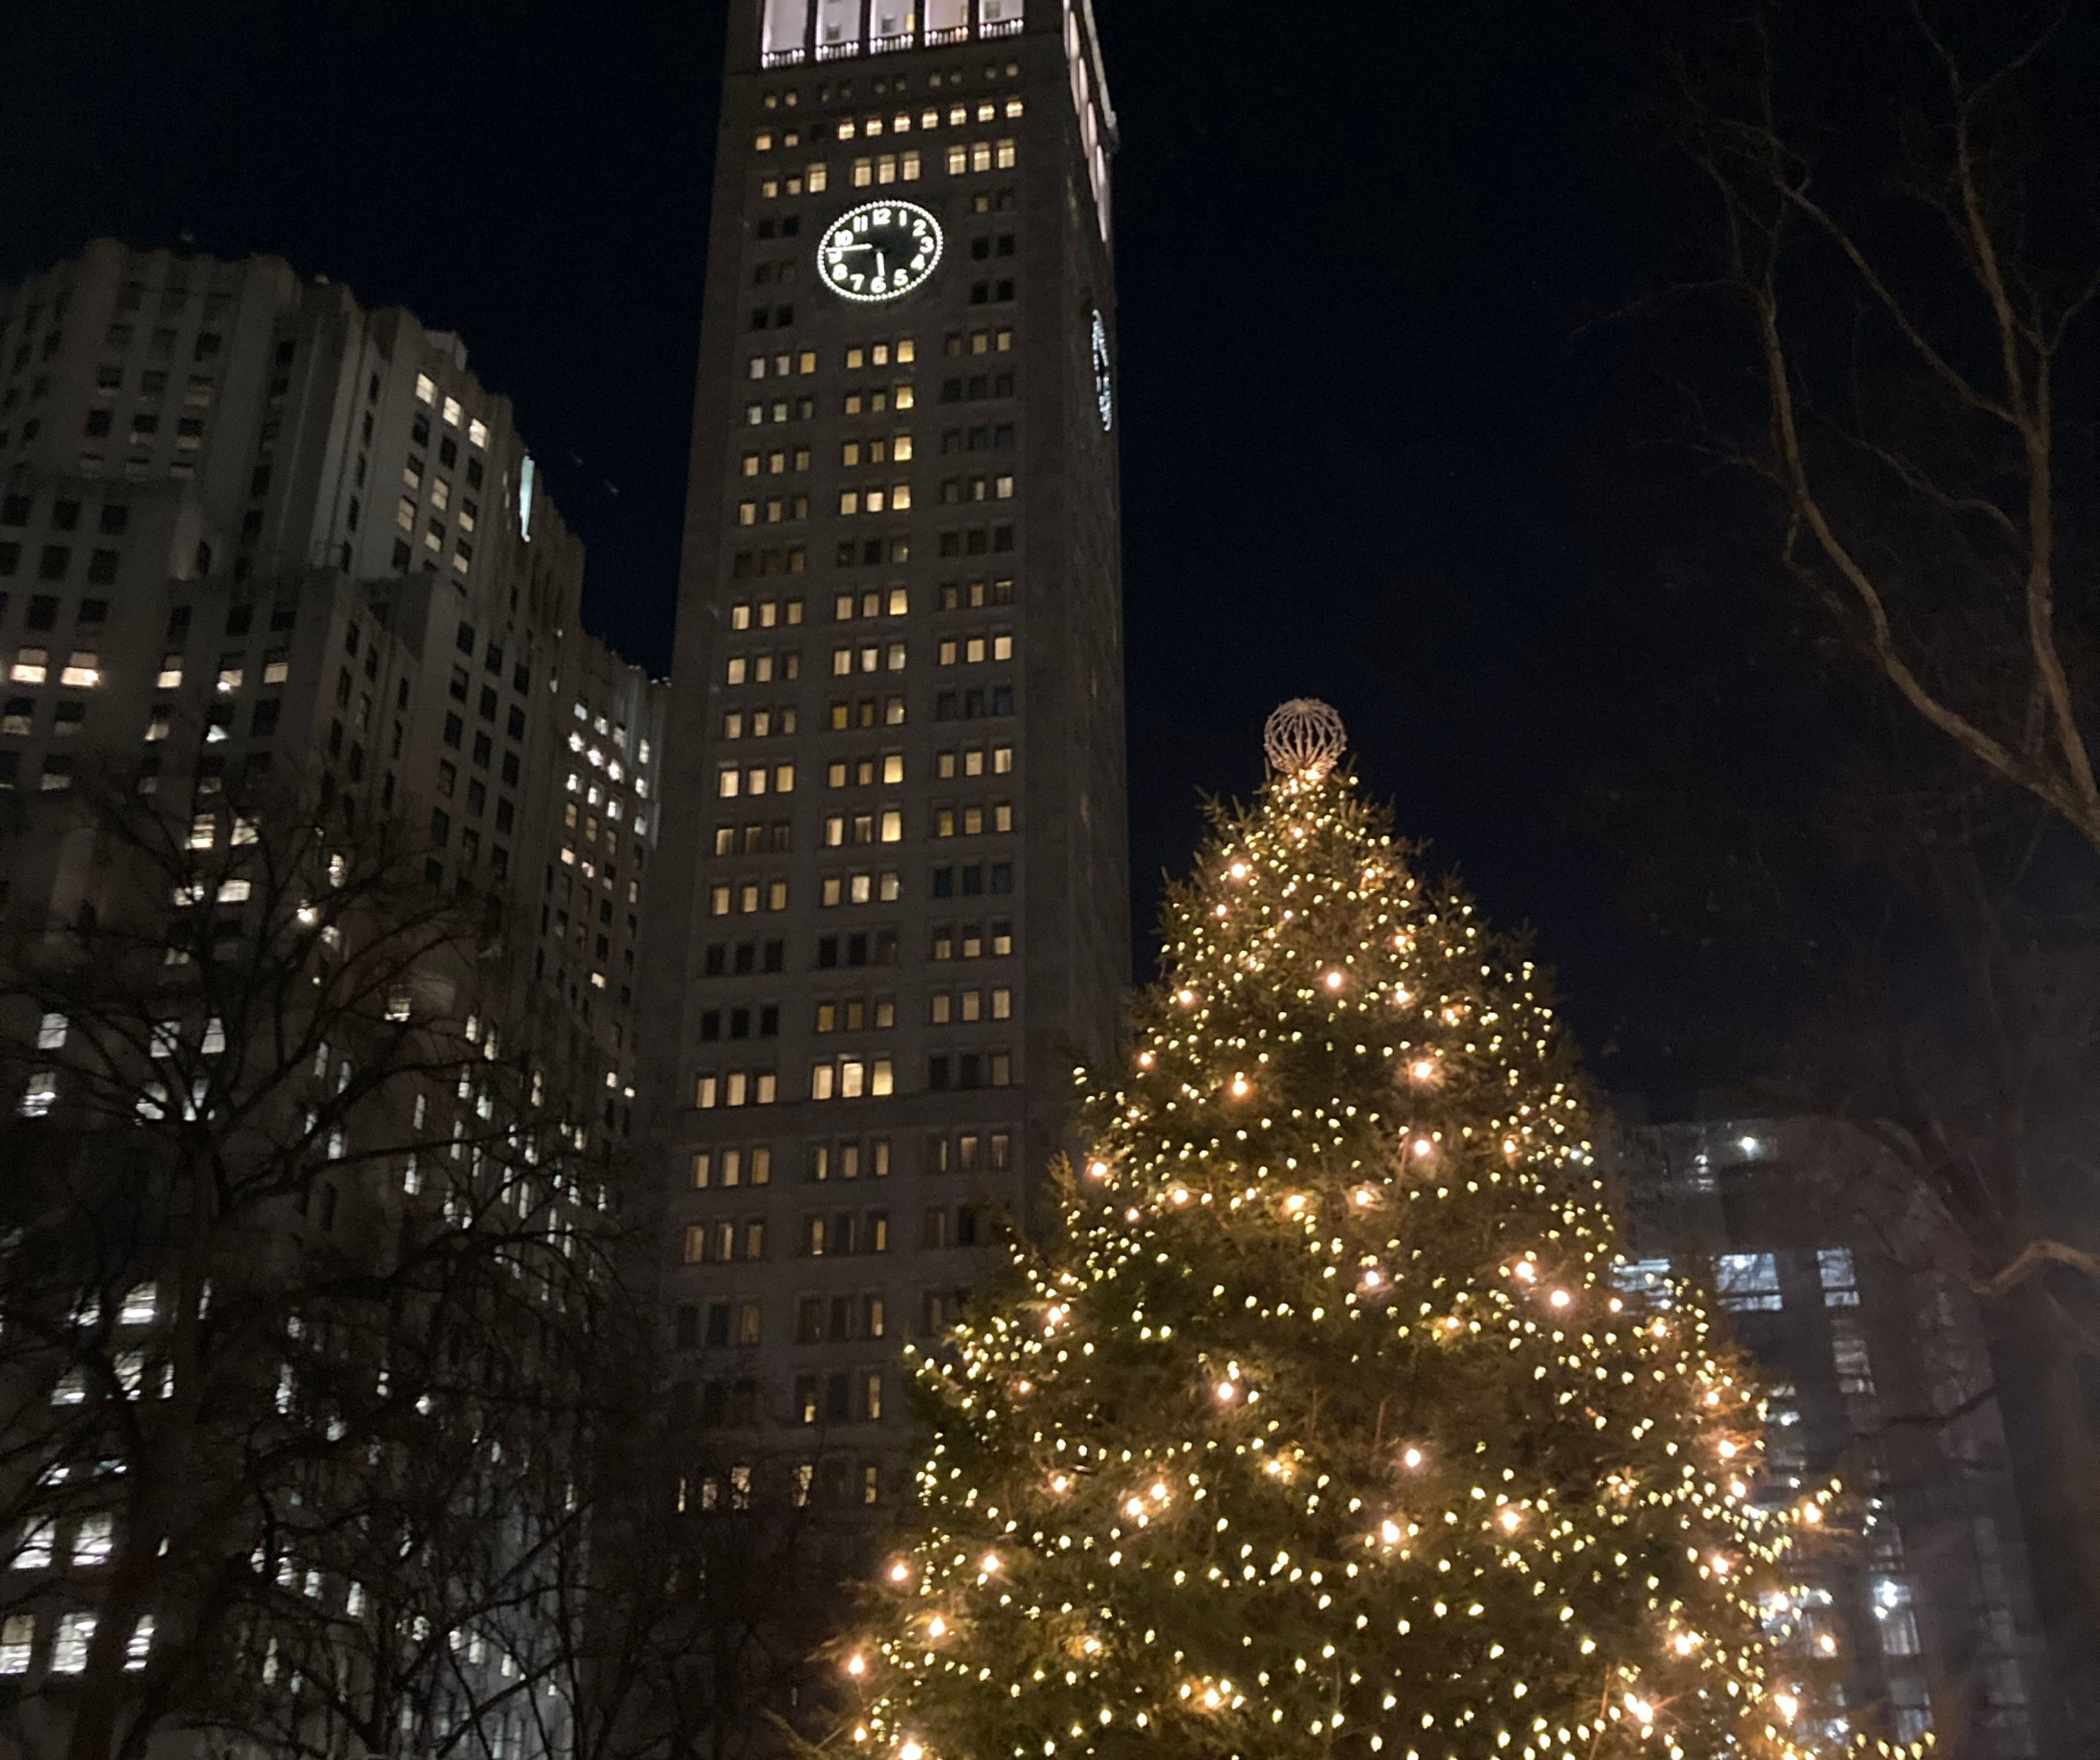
point(1320, 1427)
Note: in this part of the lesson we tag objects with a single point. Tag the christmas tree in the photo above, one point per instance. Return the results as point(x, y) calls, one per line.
point(1319, 1427)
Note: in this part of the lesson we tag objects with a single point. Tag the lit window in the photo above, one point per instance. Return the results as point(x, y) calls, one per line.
point(140, 1646)
point(477, 434)
point(170, 673)
point(452, 412)
point(81, 671)
point(31, 665)
point(38, 1099)
point(18, 1637)
point(52, 1033)
point(91, 1541)
point(34, 1553)
point(69, 1645)
point(1840, 1279)
point(1748, 1282)
point(427, 389)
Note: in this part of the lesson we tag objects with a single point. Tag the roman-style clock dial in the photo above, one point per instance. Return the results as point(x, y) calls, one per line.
point(1103, 391)
point(880, 250)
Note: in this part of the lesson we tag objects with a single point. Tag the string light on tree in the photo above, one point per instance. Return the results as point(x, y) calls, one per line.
point(1317, 1425)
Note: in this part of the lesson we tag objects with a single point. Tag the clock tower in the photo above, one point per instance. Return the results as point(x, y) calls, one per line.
point(893, 907)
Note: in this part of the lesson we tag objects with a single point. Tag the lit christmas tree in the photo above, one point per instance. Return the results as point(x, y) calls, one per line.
point(1320, 1427)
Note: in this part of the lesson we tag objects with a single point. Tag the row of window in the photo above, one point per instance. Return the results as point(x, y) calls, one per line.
point(71, 1636)
point(853, 1078)
point(947, 941)
point(55, 563)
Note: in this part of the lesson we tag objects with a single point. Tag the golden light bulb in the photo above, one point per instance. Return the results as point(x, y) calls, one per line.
point(1372, 1279)
point(1560, 1298)
point(1422, 1069)
point(1643, 1711)
point(1389, 1532)
point(856, 1665)
point(1811, 1513)
point(900, 1573)
point(1363, 1196)
point(1788, 1704)
point(1239, 1089)
point(911, 1751)
point(1827, 1644)
point(989, 1563)
point(1239, 870)
point(1685, 1643)
point(1333, 980)
point(1184, 996)
point(1411, 1458)
point(1727, 1450)
point(1059, 1482)
point(1180, 1194)
point(1159, 1494)
point(1227, 1392)
point(1510, 1519)
point(1526, 1269)
point(1098, 1169)
point(1135, 1507)
point(1423, 1145)
point(1294, 1203)
point(936, 1626)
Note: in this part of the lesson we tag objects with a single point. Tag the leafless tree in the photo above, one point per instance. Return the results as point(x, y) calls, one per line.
point(1903, 267)
point(301, 1267)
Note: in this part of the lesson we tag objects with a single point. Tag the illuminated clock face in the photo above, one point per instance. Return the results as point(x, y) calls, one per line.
point(1104, 392)
point(880, 250)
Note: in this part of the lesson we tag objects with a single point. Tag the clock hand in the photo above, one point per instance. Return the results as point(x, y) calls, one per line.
point(881, 264)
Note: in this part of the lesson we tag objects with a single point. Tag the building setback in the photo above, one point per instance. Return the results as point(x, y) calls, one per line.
point(897, 908)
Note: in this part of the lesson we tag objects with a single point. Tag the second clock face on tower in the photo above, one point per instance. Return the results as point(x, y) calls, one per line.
point(880, 250)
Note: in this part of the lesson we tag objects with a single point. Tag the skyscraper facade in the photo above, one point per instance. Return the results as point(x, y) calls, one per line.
point(893, 906)
point(275, 567)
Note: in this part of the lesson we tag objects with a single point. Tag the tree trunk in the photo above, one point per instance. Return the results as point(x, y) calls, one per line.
point(2071, 1453)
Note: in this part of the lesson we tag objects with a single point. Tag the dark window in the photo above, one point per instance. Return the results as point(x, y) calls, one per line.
point(776, 955)
point(116, 516)
point(944, 882)
point(441, 826)
point(14, 510)
point(455, 729)
point(488, 703)
point(710, 1025)
point(747, 955)
point(718, 1323)
point(504, 814)
point(56, 559)
point(263, 722)
point(514, 726)
point(827, 952)
point(98, 424)
point(717, 961)
point(43, 612)
point(463, 640)
point(101, 567)
point(1002, 877)
point(93, 612)
point(11, 559)
point(482, 750)
point(936, 1073)
point(65, 516)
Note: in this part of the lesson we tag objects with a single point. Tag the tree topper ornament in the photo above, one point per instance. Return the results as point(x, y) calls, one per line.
point(1303, 738)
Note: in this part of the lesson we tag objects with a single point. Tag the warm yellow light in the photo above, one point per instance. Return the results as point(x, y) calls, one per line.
point(1333, 980)
point(1389, 1532)
point(1227, 1392)
point(899, 1573)
point(1788, 1704)
point(1827, 1644)
point(1159, 1494)
point(1510, 1519)
point(1422, 1147)
point(1811, 1513)
point(911, 1751)
point(1526, 1269)
point(1180, 1194)
point(1411, 1458)
point(1685, 1642)
point(936, 1626)
point(1294, 1203)
point(1364, 1195)
point(1422, 1069)
point(1059, 1482)
point(1240, 1086)
point(1184, 996)
point(1098, 1169)
point(1643, 1711)
point(1727, 1450)
point(1560, 1298)
point(1135, 1507)
point(1239, 870)
point(856, 1665)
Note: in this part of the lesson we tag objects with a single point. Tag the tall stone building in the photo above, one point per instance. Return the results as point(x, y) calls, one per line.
point(896, 911)
point(263, 550)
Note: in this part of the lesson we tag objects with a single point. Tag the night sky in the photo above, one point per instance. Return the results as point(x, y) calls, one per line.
point(1353, 253)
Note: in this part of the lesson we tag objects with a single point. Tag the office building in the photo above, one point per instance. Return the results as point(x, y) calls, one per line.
point(262, 551)
point(893, 898)
point(1879, 1374)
